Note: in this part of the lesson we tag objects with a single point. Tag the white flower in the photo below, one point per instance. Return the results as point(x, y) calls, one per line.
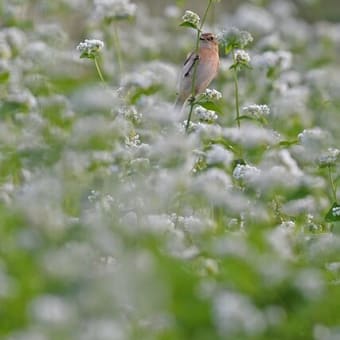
point(330, 157)
point(192, 18)
point(245, 171)
point(336, 211)
point(133, 140)
point(205, 115)
point(218, 154)
point(114, 9)
point(290, 225)
point(256, 110)
point(235, 314)
point(89, 48)
point(130, 113)
point(210, 95)
point(242, 57)
point(308, 136)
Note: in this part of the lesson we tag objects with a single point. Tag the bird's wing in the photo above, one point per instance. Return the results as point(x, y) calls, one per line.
point(189, 64)
point(188, 57)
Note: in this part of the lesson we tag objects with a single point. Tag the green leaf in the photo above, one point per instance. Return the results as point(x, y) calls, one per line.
point(211, 106)
point(228, 49)
point(245, 117)
point(333, 213)
point(288, 142)
point(4, 77)
point(189, 24)
point(87, 55)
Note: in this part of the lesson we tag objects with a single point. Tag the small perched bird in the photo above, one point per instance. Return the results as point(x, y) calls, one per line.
point(207, 60)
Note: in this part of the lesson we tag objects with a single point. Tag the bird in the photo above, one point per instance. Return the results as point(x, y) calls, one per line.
point(207, 59)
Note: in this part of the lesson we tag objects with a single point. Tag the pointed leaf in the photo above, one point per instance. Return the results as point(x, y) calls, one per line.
point(288, 142)
point(211, 106)
point(189, 24)
point(333, 214)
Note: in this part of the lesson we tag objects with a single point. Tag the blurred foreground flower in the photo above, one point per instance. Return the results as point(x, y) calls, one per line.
point(329, 158)
point(245, 171)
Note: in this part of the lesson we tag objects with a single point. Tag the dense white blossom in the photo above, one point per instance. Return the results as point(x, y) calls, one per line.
point(192, 18)
point(90, 47)
point(256, 110)
point(242, 57)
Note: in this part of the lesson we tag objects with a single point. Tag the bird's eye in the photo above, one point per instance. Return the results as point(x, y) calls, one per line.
point(211, 38)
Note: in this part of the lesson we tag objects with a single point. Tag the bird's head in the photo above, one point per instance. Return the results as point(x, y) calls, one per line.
point(208, 40)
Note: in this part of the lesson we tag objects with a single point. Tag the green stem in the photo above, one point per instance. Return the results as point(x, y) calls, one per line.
point(205, 14)
point(237, 105)
point(189, 116)
point(98, 70)
point(117, 47)
point(332, 183)
point(194, 74)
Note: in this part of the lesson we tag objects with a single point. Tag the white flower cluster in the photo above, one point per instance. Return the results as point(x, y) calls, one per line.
point(235, 313)
point(256, 110)
point(130, 113)
point(90, 47)
point(242, 57)
point(114, 9)
point(205, 115)
point(192, 18)
point(330, 157)
point(336, 211)
point(211, 95)
point(133, 140)
point(245, 171)
point(217, 154)
point(308, 136)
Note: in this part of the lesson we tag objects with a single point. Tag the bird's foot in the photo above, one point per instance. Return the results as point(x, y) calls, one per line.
point(191, 100)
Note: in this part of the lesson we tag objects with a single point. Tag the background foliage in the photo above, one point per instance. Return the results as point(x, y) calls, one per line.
point(116, 224)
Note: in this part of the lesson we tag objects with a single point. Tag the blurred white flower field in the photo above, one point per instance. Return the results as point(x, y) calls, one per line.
point(122, 218)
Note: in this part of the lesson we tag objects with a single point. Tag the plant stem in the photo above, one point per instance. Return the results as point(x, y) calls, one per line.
point(205, 14)
point(117, 47)
point(193, 83)
point(237, 105)
point(332, 183)
point(98, 70)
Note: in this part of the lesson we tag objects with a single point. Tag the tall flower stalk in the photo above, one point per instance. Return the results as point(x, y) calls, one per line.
point(112, 12)
point(117, 48)
point(235, 41)
point(240, 59)
point(90, 49)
